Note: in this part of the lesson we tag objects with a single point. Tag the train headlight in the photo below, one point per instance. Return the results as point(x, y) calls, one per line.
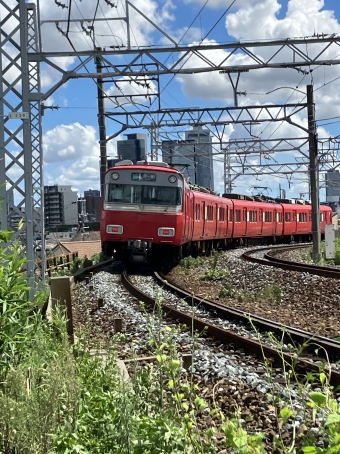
point(114, 229)
point(166, 231)
point(114, 175)
point(172, 179)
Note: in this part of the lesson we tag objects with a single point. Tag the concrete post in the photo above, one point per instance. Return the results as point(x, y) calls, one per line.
point(61, 294)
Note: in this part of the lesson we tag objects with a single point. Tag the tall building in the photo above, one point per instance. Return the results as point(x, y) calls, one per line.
point(92, 193)
point(133, 148)
point(93, 204)
point(192, 156)
point(332, 179)
point(61, 207)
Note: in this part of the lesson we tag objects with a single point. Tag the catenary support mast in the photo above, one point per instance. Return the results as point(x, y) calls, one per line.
point(313, 173)
point(20, 131)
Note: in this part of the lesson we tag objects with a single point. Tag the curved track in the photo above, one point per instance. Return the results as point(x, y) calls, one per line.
point(253, 347)
point(271, 259)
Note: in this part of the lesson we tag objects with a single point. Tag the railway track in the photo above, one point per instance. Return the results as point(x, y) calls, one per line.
point(271, 259)
point(275, 357)
point(286, 334)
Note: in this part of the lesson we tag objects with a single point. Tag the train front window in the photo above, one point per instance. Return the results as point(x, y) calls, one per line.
point(146, 195)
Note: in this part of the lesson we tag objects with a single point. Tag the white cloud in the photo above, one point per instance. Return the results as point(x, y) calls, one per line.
point(71, 156)
point(222, 4)
point(64, 142)
point(130, 87)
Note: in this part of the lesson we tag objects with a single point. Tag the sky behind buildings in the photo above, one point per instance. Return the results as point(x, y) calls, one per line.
point(70, 133)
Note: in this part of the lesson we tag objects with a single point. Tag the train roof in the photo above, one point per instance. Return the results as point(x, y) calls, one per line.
point(128, 163)
point(267, 199)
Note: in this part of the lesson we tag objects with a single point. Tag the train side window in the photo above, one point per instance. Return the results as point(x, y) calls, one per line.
point(287, 217)
point(221, 214)
point(209, 213)
point(252, 216)
point(230, 218)
point(267, 217)
point(197, 212)
point(322, 217)
point(237, 215)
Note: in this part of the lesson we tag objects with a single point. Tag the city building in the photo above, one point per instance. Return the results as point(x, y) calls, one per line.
point(93, 205)
point(192, 156)
point(92, 193)
point(132, 148)
point(61, 207)
point(332, 180)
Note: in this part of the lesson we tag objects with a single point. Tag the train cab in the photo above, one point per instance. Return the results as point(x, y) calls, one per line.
point(142, 210)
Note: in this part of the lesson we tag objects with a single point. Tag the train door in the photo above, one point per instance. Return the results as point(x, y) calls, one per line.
point(261, 221)
point(216, 219)
point(203, 218)
point(189, 216)
point(294, 221)
point(244, 220)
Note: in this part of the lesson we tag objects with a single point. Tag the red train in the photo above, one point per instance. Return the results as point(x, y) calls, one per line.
point(150, 212)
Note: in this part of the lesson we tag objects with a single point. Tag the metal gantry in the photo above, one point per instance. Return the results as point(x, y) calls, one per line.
point(20, 91)
point(20, 131)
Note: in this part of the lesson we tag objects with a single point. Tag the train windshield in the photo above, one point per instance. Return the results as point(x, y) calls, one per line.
point(140, 194)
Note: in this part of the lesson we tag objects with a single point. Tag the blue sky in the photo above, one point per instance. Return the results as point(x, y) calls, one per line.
point(70, 134)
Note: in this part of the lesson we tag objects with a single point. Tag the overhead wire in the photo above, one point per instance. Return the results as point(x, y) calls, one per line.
point(186, 60)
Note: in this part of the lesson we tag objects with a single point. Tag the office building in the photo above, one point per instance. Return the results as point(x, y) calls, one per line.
point(192, 156)
point(61, 207)
point(92, 193)
point(132, 148)
point(93, 204)
point(332, 180)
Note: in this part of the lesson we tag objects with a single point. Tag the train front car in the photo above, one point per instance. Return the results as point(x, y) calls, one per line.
point(142, 216)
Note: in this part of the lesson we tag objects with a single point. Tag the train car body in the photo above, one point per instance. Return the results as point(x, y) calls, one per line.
point(143, 211)
point(151, 212)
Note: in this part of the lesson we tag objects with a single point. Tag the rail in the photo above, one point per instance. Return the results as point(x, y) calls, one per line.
point(271, 259)
point(227, 337)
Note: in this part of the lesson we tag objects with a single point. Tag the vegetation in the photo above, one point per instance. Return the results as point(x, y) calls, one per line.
point(308, 257)
point(60, 398)
point(79, 264)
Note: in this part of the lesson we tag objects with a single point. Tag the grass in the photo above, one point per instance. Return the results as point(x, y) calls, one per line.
point(57, 398)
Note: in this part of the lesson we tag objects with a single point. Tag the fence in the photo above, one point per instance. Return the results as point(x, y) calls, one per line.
point(60, 262)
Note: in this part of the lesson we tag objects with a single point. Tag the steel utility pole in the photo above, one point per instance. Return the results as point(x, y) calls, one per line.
point(313, 173)
point(101, 122)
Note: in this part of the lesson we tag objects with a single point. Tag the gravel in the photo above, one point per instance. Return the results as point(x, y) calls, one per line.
point(301, 300)
point(238, 383)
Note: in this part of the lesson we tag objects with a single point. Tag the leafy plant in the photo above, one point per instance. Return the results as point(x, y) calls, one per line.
point(214, 275)
point(17, 322)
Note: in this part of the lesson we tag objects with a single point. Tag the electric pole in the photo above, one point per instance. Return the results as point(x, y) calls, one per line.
point(313, 173)
point(101, 123)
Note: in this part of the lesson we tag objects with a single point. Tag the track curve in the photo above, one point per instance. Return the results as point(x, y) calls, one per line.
point(271, 259)
point(249, 345)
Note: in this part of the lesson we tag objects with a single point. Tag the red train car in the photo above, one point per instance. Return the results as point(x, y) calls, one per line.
point(144, 211)
point(150, 211)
